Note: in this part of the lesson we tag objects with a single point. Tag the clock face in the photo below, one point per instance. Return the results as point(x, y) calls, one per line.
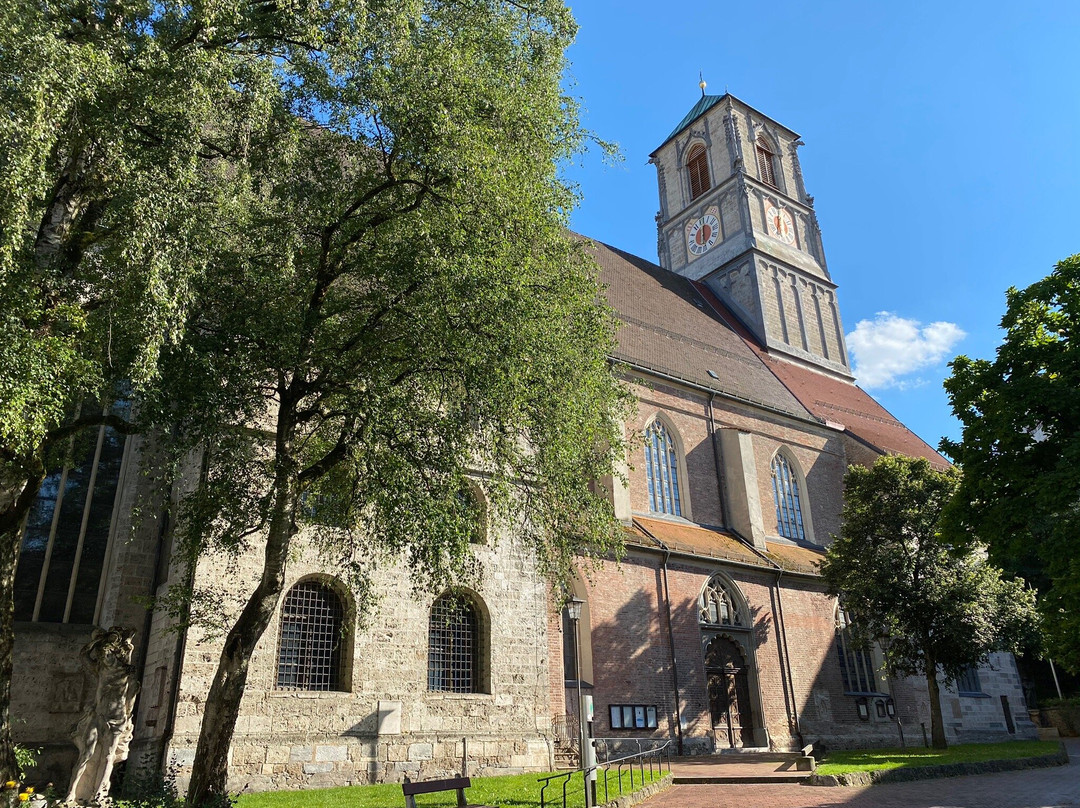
point(780, 223)
point(702, 234)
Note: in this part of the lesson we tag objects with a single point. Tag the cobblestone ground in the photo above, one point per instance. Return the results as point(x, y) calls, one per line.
point(1036, 788)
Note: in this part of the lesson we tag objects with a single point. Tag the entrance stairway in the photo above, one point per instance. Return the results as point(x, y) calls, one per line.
point(739, 766)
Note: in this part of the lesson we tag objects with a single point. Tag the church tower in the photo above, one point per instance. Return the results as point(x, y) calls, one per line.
point(734, 214)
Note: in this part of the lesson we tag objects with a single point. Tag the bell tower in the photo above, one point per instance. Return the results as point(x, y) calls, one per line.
point(734, 214)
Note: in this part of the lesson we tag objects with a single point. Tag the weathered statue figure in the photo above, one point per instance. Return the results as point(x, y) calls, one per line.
point(105, 728)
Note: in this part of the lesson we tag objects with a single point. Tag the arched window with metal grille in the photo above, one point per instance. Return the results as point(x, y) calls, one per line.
point(789, 515)
point(454, 645)
point(765, 161)
point(311, 639)
point(720, 606)
point(662, 468)
point(697, 166)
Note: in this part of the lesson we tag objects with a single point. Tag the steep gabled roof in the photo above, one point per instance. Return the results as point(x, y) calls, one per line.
point(832, 399)
point(862, 417)
point(668, 328)
point(703, 105)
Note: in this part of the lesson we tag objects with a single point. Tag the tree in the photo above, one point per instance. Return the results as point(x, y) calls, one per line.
point(1020, 449)
point(402, 311)
point(934, 605)
point(118, 118)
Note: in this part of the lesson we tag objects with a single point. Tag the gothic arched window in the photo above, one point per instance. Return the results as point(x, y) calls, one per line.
point(662, 468)
point(454, 646)
point(765, 162)
point(719, 605)
point(310, 641)
point(789, 516)
point(856, 661)
point(697, 165)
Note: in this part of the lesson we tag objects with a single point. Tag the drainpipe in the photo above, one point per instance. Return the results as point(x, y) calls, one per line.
point(787, 657)
point(671, 638)
point(671, 645)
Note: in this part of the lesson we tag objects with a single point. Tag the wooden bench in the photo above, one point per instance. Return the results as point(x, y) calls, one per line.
point(458, 784)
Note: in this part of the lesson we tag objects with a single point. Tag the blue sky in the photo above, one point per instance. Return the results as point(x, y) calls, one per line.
point(941, 148)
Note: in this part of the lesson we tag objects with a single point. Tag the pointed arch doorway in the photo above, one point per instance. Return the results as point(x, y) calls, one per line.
point(728, 677)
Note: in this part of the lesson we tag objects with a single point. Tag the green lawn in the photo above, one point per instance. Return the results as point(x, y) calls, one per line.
point(864, 760)
point(517, 791)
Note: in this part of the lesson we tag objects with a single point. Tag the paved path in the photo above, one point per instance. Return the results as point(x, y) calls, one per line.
point(1036, 788)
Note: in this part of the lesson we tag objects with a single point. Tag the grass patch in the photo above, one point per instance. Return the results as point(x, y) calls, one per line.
point(513, 791)
point(843, 761)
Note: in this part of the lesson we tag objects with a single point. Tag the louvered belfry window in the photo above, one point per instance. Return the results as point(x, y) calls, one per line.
point(453, 646)
point(697, 165)
point(662, 468)
point(789, 517)
point(309, 649)
point(765, 162)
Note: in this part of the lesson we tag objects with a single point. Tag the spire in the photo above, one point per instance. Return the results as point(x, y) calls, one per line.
point(702, 83)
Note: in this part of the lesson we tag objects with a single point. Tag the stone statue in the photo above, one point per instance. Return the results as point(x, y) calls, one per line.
point(105, 728)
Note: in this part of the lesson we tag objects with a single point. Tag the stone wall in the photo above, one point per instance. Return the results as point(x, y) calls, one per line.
point(385, 724)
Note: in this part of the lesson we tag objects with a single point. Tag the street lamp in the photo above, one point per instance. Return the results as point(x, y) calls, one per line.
point(573, 611)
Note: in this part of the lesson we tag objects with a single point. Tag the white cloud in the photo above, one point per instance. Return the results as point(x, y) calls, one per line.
point(889, 347)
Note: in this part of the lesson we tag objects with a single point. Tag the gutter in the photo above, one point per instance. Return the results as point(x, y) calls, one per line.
point(809, 419)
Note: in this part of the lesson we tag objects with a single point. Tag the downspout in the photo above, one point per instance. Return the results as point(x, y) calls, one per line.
point(671, 639)
point(787, 656)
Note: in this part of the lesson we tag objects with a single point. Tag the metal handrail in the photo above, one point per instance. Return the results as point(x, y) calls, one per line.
point(547, 781)
point(628, 761)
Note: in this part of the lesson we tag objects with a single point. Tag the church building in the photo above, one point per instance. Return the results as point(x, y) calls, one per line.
point(713, 632)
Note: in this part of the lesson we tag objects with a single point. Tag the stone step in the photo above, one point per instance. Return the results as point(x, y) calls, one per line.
point(743, 779)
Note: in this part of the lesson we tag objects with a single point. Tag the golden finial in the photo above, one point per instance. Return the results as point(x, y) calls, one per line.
point(702, 84)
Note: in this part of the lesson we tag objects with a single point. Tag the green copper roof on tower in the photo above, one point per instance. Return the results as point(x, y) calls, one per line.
point(704, 104)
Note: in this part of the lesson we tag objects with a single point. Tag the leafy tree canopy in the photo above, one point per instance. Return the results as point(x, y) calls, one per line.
point(1020, 449)
point(933, 604)
point(394, 309)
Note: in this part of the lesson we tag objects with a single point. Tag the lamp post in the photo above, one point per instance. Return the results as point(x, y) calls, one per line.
point(573, 611)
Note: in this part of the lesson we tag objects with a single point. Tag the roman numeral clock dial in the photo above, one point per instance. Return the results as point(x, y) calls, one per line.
point(701, 234)
point(779, 223)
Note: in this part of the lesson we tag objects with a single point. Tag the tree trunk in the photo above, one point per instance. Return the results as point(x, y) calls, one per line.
point(11, 517)
point(937, 725)
point(210, 773)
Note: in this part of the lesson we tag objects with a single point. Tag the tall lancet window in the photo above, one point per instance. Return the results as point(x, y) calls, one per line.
point(662, 467)
point(789, 517)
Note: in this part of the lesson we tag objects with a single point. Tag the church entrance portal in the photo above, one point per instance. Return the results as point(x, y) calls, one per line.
point(729, 693)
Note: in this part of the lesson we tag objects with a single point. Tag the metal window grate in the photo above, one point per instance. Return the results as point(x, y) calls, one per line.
point(453, 639)
point(789, 518)
point(309, 650)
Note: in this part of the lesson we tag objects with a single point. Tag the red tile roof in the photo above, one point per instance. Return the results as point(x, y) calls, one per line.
point(693, 539)
point(834, 400)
